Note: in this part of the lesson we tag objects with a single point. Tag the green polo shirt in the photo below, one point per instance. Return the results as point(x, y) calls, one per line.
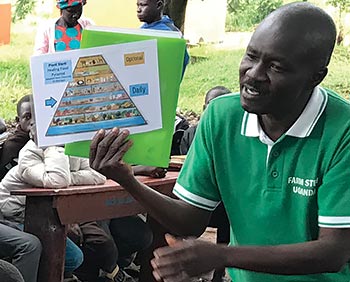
point(274, 192)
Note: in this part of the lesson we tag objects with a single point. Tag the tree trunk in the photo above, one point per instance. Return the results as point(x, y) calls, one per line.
point(340, 36)
point(176, 10)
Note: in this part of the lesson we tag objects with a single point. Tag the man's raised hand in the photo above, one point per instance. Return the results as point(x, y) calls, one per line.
point(107, 152)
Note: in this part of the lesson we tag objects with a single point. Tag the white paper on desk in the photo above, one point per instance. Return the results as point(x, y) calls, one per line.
point(78, 92)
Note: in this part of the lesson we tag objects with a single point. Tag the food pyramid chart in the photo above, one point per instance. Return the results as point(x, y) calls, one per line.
point(95, 99)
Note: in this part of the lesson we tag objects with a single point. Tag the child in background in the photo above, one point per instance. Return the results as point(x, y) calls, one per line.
point(219, 218)
point(15, 141)
point(189, 133)
point(101, 255)
point(150, 12)
point(52, 170)
point(21, 248)
point(63, 33)
point(48, 168)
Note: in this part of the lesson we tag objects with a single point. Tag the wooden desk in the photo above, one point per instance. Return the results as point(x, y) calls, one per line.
point(48, 211)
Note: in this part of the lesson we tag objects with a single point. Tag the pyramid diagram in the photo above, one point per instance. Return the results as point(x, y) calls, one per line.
point(94, 99)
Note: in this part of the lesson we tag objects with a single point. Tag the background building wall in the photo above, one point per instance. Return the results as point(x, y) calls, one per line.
point(205, 21)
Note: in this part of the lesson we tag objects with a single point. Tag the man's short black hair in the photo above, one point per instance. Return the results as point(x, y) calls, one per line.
point(24, 99)
point(314, 27)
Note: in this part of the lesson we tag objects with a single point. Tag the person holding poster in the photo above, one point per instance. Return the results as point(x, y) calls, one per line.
point(276, 155)
point(64, 33)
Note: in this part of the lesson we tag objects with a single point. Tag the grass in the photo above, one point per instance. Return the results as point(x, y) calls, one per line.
point(338, 75)
point(209, 67)
point(15, 80)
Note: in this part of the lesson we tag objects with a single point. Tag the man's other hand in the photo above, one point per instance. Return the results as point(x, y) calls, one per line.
point(184, 259)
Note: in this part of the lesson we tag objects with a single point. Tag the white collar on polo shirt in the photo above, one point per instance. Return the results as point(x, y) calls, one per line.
point(302, 127)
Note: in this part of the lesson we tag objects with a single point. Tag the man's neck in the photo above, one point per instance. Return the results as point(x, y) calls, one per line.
point(274, 128)
point(63, 23)
point(275, 125)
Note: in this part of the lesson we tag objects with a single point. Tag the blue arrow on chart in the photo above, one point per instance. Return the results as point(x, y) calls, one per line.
point(50, 102)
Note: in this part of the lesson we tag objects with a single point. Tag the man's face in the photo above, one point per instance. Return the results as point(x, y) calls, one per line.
point(71, 15)
point(148, 10)
point(275, 74)
point(25, 116)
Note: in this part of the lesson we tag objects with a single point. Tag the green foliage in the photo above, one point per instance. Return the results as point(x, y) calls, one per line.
point(23, 8)
point(14, 83)
point(14, 73)
point(210, 68)
point(245, 14)
point(342, 5)
point(338, 74)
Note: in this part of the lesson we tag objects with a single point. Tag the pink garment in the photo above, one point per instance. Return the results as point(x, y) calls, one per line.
point(45, 36)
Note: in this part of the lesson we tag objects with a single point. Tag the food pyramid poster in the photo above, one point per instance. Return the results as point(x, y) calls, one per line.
point(78, 92)
point(95, 99)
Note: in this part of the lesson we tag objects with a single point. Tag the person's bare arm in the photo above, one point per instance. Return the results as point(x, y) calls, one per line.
point(106, 153)
point(189, 258)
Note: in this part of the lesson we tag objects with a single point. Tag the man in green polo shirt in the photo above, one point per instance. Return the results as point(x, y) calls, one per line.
point(277, 155)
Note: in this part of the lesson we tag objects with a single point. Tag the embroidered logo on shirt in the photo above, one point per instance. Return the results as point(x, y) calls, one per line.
point(303, 187)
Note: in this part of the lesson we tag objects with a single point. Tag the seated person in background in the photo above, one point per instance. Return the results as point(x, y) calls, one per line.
point(131, 234)
point(105, 250)
point(9, 273)
point(49, 168)
point(22, 249)
point(15, 142)
point(150, 12)
point(63, 33)
point(219, 217)
point(181, 124)
point(98, 246)
point(188, 135)
point(2, 126)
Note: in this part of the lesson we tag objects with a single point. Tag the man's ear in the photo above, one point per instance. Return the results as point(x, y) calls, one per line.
point(160, 5)
point(318, 76)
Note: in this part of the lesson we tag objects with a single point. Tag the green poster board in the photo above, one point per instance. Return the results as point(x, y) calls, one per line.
point(150, 148)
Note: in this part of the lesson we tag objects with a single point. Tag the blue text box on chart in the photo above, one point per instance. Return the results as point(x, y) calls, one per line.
point(57, 72)
point(138, 89)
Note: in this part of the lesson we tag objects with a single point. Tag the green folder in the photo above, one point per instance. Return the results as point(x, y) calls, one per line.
point(149, 148)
